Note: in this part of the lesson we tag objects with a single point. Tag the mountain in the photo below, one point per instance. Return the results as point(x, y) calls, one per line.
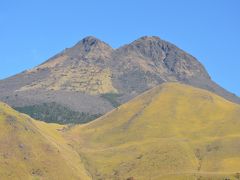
point(91, 78)
point(32, 149)
point(173, 131)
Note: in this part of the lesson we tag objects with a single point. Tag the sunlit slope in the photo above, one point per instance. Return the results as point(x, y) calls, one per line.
point(35, 150)
point(172, 131)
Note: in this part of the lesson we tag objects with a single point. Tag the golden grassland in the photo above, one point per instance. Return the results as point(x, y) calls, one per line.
point(35, 150)
point(173, 131)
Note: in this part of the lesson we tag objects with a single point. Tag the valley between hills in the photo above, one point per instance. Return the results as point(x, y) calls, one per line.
point(172, 131)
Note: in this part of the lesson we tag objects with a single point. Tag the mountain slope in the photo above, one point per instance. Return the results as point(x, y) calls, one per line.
point(92, 78)
point(173, 131)
point(35, 150)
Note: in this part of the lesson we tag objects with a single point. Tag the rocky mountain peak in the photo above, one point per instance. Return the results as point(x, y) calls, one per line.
point(148, 46)
point(90, 43)
point(149, 38)
point(151, 43)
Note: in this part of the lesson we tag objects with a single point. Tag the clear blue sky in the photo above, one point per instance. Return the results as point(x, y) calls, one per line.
point(33, 30)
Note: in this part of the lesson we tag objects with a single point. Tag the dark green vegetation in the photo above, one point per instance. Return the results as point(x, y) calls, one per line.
point(112, 98)
point(55, 113)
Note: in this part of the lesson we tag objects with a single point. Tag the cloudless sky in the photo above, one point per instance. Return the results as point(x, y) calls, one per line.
point(31, 31)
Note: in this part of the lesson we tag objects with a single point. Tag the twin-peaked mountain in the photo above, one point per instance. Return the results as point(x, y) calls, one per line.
point(91, 78)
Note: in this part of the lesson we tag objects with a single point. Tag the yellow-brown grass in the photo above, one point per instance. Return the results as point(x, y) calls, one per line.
point(173, 131)
point(35, 150)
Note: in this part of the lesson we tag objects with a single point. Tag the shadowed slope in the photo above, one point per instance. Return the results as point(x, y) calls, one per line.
point(35, 150)
point(172, 131)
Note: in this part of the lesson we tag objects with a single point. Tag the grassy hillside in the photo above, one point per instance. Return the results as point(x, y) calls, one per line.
point(35, 150)
point(173, 131)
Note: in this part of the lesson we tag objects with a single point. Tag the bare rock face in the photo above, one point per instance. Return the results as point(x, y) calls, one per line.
point(92, 78)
